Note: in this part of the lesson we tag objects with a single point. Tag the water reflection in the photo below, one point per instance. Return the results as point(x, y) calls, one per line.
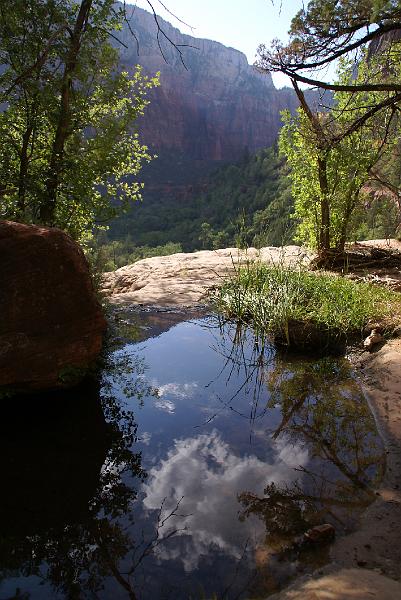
point(204, 471)
point(63, 467)
point(189, 475)
point(323, 411)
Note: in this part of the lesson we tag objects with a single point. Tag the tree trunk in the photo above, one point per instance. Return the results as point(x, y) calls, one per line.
point(63, 131)
point(344, 230)
point(23, 172)
point(352, 200)
point(324, 234)
point(324, 229)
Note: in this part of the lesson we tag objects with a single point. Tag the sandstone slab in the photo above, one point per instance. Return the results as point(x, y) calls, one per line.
point(185, 278)
point(51, 324)
point(344, 584)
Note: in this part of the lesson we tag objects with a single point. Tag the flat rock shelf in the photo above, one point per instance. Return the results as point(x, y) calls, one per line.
point(184, 278)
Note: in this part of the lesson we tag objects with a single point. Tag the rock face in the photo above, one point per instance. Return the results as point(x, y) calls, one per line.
point(211, 108)
point(216, 107)
point(185, 278)
point(51, 324)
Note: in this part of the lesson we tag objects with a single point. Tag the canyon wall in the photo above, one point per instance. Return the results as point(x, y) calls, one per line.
point(211, 104)
point(212, 108)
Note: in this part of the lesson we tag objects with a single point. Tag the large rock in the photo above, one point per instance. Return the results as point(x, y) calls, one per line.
point(51, 324)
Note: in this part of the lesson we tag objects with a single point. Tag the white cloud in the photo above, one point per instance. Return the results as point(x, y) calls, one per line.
point(209, 476)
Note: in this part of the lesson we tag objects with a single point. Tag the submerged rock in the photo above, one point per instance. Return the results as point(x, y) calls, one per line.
point(310, 337)
point(51, 324)
point(320, 534)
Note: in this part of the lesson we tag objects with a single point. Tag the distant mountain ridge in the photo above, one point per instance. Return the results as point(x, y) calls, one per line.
point(216, 107)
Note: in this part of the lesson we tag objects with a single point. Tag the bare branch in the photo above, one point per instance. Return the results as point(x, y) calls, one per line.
point(358, 123)
point(337, 87)
point(346, 49)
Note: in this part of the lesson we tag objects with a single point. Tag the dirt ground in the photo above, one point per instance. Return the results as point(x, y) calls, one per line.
point(389, 275)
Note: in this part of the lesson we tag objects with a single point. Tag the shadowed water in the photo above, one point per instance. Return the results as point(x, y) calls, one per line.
point(191, 473)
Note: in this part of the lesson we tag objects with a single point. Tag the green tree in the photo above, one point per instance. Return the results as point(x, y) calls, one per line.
point(69, 152)
point(325, 30)
point(365, 34)
point(331, 160)
point(206, 235)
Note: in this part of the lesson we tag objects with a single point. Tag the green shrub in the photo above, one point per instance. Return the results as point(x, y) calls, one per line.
point(113, 255)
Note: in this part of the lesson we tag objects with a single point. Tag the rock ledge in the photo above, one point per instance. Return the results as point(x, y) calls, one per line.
point(184, 278)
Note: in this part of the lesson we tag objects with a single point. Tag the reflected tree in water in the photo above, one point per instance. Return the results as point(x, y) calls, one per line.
point(90, 538)
point(98, 543)
point(246, 355)
point(323, 409)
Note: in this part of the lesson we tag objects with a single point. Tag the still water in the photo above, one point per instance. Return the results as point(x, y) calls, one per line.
point(190, 472)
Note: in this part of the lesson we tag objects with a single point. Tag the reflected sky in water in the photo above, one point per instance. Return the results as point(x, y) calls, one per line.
point(236, 451)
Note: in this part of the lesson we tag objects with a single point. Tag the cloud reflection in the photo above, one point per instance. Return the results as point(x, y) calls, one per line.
point(165, 405)
point(168, 392)
point(178, 390)
point(209, 476)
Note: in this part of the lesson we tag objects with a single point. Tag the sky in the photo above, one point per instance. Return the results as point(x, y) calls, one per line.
point(241, 24)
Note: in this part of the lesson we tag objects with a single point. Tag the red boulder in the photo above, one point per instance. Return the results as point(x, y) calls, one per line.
point(51, 324)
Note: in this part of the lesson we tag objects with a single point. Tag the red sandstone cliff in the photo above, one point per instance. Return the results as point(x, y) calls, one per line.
point(215, 108)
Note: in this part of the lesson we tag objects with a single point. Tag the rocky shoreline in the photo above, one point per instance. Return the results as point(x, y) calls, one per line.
point(184, 279)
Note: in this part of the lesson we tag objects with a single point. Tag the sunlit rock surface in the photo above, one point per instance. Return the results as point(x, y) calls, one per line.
point(344, 584)
point(185, 278)
point(51, 324)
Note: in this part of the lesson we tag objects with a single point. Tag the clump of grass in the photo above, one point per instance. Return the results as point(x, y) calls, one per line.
point(322, 307)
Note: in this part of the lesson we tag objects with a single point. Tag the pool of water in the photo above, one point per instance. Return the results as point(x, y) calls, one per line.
point(190, 472)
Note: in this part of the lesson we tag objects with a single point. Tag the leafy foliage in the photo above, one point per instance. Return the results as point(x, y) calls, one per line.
point(323, 31)
point(67, 130)
point(331, 161)
point(245, 203)
point(110, 255)
point(249, 203)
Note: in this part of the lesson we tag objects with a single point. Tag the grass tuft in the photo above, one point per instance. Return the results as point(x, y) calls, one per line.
point(323, 307)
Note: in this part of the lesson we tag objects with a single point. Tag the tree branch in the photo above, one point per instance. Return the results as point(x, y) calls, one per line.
point(38, 64)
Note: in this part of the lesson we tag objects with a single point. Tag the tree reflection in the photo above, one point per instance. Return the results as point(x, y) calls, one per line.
point(246, 357)
point(323, 409)
point(71, 473)
point(73, 517)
